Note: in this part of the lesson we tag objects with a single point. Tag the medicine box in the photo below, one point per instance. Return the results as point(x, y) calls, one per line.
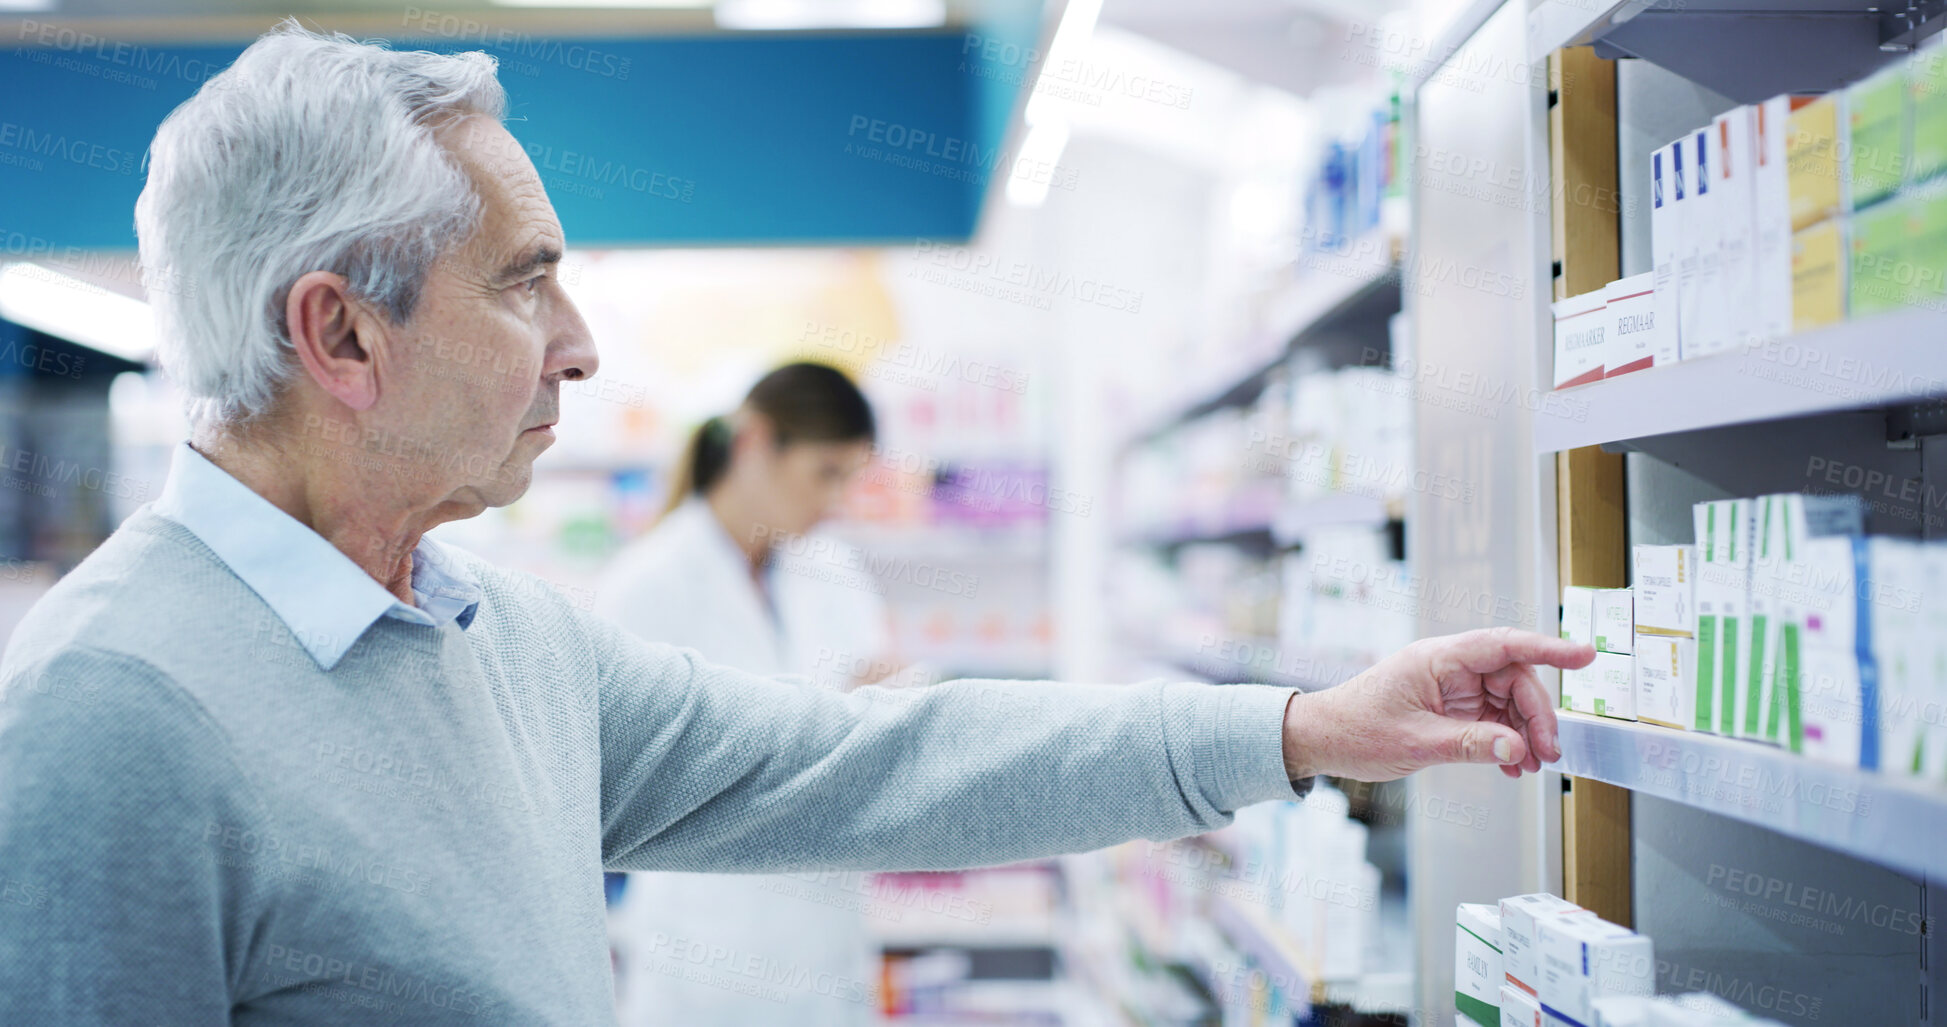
point(1666, 240)
point(1578, 614)
point(1583, 958)
point(1877, 116)
point(1665, 670)
point(1771, 702)
point(1882, 274)
point(1664, 580)
point(1812, 161)
point(1615, 621)
point(1926, 243)
point(1704, 319)
point(1831, 705)
point(1892, 597)
point(1771, 220)
point(1519, 916)
point(1518, 1008)
point(1733, 203)
point(1819, 275)
point(1723, 597)
point(1478, 973)
point(1606, 688)
point(1933, 673)
point(1581, 334)
point(1641, 336)
point(1927, 84)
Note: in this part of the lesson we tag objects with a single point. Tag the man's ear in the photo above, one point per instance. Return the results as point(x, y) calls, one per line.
point(333, 334)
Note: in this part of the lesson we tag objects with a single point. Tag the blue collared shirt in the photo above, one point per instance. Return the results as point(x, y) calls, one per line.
point(321, 595)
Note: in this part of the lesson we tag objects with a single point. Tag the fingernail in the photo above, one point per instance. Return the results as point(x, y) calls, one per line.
point(1503, 750)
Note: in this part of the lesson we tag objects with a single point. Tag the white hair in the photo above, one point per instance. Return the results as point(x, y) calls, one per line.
point(310, 153)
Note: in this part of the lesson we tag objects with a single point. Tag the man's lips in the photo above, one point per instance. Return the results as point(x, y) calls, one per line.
point(547, 428)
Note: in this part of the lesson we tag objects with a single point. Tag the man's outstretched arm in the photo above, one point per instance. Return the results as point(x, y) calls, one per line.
point(708, 768)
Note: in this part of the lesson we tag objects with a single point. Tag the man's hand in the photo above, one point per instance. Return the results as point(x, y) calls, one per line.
point(1467, 698)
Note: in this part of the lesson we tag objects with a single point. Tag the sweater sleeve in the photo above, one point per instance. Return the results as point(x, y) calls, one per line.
point(712, 769)
point(113, 905)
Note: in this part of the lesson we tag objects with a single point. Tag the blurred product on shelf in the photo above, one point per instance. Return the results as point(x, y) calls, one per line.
point(1357, 171)
point(1296, 905)
point(1348, 600)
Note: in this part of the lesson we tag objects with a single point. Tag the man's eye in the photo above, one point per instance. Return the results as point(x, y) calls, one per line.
point(534, 282)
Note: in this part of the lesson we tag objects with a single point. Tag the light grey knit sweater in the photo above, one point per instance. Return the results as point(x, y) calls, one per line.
point(200, 826)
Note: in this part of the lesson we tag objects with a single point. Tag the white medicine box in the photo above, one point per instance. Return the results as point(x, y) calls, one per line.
point(1615, 621)
point(1606, 688)
point(1665, 581)
point(1578, 614)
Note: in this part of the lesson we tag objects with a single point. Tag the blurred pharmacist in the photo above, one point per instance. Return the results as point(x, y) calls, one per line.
point(709, 577)
point(272, 755)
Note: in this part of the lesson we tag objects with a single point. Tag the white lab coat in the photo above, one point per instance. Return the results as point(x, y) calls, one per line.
point(784, 949)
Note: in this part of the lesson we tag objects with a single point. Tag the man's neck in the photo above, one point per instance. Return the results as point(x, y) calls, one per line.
point(330, 498)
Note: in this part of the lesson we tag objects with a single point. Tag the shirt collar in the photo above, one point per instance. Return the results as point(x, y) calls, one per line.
point(321, 595)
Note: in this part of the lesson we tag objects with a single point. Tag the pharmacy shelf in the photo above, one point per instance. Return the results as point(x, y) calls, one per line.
point(1272, 948)
point(1811, 45)
point(1303, 311)
point(1342, 510)
point(1895, 822)
point(1275, 665)
point(1882, 361)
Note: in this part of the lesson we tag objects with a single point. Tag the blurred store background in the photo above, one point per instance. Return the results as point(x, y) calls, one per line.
point(1120, 277)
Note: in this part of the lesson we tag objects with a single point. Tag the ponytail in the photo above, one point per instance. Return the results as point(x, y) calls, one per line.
point(703, 462)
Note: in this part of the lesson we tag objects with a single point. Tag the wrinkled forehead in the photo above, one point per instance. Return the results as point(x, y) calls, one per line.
point(515, 212)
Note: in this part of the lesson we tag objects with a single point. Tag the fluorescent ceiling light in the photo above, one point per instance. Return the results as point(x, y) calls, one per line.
point(830, 14)
point(69, 308)
point(26, 5)
point(1078, 20)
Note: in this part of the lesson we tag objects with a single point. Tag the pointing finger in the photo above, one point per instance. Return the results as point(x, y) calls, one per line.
point(1489, 649)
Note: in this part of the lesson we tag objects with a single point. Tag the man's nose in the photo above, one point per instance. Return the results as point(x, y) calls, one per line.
point(571, 351)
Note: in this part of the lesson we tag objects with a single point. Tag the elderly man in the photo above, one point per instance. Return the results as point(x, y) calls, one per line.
point(270, 755)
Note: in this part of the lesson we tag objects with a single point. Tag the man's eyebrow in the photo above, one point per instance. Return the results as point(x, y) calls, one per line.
point(535, 257)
